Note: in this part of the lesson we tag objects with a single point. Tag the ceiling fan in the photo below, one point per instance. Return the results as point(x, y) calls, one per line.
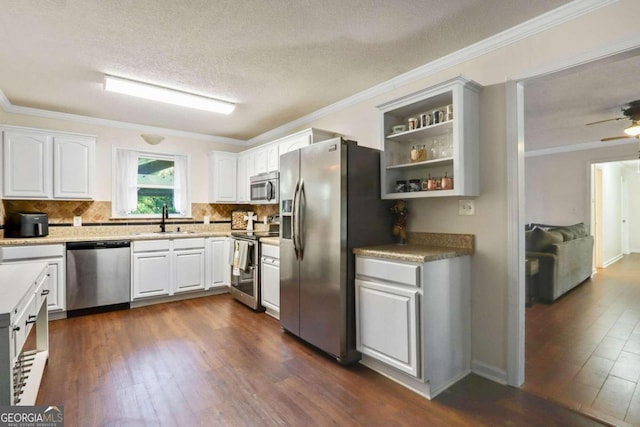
point(631, 112)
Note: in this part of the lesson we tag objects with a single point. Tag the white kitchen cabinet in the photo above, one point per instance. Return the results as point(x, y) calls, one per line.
point(152, 268)
point(388, 321)
point(260, 160)
point(450, 145)
point(241, 179)
point(270, 279)
point(223, 172)
point(302, 139)
point(41, 164)
point(54, 257)
point(217, 257)
point(273, 158)
point(189, 264)
point(413, 320)
point(73, 160)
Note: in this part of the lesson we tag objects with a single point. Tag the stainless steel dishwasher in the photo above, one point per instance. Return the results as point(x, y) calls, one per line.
point(98, 276)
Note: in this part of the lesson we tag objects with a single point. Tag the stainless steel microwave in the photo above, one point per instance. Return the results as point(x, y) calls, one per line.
point(264, 188)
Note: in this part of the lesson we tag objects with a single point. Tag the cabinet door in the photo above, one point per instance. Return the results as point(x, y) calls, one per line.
point(295, 142)
point(273, 159)
point(242, 182)
point(189, 270)
point(73, 166)
point(387, 319)
point(56, 285)
point(217, 261)
point(27, 165)
point(260, 161)
point(270, 282)
point(151, 274)
point(223, 177)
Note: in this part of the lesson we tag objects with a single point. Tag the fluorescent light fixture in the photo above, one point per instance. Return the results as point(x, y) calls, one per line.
point(634, 129)
point(163, 94)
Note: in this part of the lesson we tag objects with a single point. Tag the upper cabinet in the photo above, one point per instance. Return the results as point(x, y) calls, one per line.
point(40, 164)
point(222, 181)
point(302, 139)
point(430, 141)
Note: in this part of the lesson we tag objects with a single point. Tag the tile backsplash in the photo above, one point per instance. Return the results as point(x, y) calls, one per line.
point(62, 212)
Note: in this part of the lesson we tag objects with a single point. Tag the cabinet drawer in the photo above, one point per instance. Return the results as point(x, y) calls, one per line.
point(406, 274)
point(42, 290)
point(151, 245)
point(10, 253)
point(24, 322)
point(271, 251)
point(196, 243)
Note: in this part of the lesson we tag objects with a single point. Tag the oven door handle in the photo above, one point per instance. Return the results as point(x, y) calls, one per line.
point(294, 219)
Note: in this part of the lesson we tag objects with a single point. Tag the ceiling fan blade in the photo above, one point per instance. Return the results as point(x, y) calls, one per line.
point(607, 120)
point(613, 138)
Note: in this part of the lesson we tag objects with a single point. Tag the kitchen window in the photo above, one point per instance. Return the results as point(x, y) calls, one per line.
point(144, 182)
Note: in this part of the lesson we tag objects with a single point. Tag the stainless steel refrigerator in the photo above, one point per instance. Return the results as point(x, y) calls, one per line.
point(329, 204)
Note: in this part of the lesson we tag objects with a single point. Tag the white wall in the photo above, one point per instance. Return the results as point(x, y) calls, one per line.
point(361, 122)
point(557, 185)
point(633, 183)
point(611, 243)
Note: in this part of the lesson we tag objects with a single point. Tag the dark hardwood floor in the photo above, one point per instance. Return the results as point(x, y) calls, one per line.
point(583, 351)
point(211, 361)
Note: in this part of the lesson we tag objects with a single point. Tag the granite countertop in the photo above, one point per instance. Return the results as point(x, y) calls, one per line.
point(130, 232)
point(270, 241)
point(423, 247)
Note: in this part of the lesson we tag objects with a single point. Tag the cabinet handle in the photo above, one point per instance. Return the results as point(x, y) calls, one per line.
point(45, 292)
point(16, 328)
point(32, 319)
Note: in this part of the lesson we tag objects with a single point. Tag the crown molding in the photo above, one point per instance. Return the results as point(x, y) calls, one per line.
point(529, 28)
point(579, 147)
point(77, 118)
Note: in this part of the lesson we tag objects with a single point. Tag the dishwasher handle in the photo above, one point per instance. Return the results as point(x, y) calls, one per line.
point(99, 244)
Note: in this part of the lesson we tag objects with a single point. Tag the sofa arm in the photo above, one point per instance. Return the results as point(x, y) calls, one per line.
point(546, 287)
point(575, 262)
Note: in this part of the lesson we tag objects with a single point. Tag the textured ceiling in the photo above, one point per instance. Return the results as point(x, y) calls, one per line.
point(558, 108)
point(279, 59)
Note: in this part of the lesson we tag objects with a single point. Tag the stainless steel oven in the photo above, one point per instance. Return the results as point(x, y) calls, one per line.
point(245, 267)
point(264, 188)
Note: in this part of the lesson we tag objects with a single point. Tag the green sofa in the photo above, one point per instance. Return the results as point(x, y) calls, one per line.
point(565, 256)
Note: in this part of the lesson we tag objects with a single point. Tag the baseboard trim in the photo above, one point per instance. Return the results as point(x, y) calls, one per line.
point(489, 372)
point(612, 260)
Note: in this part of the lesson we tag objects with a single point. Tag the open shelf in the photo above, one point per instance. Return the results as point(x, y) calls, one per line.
point(434, 162)
point(423, 132)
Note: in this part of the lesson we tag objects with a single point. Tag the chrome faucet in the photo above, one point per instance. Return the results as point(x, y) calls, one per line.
point(165, 216)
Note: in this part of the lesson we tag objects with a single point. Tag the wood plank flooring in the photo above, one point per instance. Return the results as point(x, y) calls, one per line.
point(584, 350)
point(211, 361)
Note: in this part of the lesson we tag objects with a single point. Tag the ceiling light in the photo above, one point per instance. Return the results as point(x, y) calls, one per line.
point(170, 96)
point(634, 129)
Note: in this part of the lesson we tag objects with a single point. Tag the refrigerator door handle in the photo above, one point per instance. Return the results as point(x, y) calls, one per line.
point(301, 209)
point(294, 219)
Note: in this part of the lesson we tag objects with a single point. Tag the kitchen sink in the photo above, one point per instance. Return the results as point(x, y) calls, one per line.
point(161, 233)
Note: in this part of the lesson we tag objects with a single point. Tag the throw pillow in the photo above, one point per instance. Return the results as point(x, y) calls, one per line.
point(540, 240)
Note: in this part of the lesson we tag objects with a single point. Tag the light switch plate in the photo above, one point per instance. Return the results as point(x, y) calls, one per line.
point(77, 221)
point(466, 207)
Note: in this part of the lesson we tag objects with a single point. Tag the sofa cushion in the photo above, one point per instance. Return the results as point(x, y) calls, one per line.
point(539, 240)
point(567, 233)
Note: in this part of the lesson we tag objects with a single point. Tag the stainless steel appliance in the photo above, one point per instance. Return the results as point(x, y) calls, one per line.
point(330, 203)
point(98, 276)
point(245, 279)
point(26, 224)
point(264, 188)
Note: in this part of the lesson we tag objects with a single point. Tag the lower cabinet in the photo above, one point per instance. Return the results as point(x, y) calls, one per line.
point(413, 320)
point(270, 279)
point(217, 260)
point(53, 255)
point(167, 267)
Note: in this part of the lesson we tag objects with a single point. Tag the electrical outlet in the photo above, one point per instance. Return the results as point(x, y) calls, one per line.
point(466, 207)
point(207, 219)
point(77, 221)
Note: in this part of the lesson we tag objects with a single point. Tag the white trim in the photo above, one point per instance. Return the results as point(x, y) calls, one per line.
point(579, 147)
point(634, 250)
point(489, 372)
point(613, 260)
point(529, 28)
point(55, 115)
point(514, 153)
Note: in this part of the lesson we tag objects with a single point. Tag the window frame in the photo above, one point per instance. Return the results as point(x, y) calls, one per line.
point(159, 155)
